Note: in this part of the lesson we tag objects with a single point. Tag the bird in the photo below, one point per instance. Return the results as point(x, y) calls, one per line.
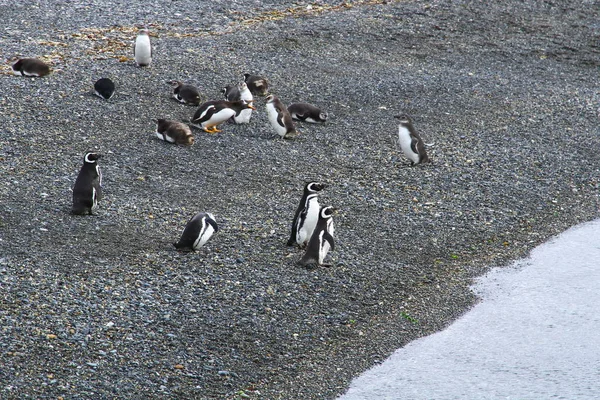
point(142, 50)
point(232, 93)
point(184, 93)
point(174, 132)
point(307, 215)
point(88, 185)
point(104, 88)
point(307, 113)
point(410, 142)
point(215, 112)
point(197, 231)
point(245, 95)
point(280, 118)
point(258, 85)
point(321, 240)
point(30, 67)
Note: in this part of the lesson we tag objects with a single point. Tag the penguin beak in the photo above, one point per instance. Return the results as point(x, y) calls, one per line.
point(251, 107)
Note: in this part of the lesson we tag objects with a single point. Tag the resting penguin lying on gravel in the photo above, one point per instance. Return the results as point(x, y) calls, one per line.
point(30, 67)
point(307, 113)
point(197, 231)
point(213, 113)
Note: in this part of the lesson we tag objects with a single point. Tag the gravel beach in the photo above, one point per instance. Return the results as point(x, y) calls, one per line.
point(103, 306)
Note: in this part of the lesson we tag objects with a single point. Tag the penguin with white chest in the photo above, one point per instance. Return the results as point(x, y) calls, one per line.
point(213, 113)
point(174, 132)
point(142, 50)
point(280, 118)
point(197, 231)
point(307, 215)
point(410, 142)
point(245, 95)
point(88, 186)
point(30, 67)
point(184, 93)
point(321, 240)
point(307, 113)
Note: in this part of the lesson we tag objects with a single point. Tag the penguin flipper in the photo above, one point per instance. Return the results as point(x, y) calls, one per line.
point(213, 223)
point(414, 145)
point(327, 236)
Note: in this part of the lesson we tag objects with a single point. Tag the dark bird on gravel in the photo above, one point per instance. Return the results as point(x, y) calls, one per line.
point(307, 113)
point(142, 50)
point(184, 93)
point(321, 240)
point(232, 93)
point(88, 186)
point(410, 142)
point(280, 118)
point(174, 132)
point(258, 85)
point(104, 88)
point(213, 113)
point(197, 231)
point(239, 92)
point(307, 215)
point(30, 67)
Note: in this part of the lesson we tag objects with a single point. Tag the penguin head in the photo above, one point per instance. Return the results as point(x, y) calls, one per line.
point(323, 116)
point(326, 212)
point(175, 84)
point(313, 187)
point(242, 86)
point(91, 157)
point(403, 119)
point(271, 98)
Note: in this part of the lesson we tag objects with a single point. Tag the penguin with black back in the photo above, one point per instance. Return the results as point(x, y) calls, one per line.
point(280, 118)
point(410, 142)
point(232, 93)
point(185, 93)
point(321, 240)
point(307, 215)
point(31, 67)
point(307, 113)
point(213, 113)
point(88, 186)
point(197, 231)
point(104, 88)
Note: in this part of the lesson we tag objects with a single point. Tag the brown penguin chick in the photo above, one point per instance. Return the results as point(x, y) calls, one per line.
point(30, 67)
point(258, 85)
point(174, 132)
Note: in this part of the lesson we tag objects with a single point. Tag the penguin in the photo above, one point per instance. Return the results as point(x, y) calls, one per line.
point(174, 132)
point(321, 240)
point(258, 85)
point(30, 67)
point(142, 50)
point(88, 186)
point(411, 143)
point(307, 215)
point(185, 94)
point(307, 113)
point(232, 93)
point(244, 116)
point(104, 88)
point(215, 112)
point(280, 118)
point(197, 231)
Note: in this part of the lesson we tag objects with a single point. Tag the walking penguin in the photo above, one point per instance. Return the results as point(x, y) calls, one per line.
point(88, 186)
point(410, 142)
point(307, 215)
point(321, 241)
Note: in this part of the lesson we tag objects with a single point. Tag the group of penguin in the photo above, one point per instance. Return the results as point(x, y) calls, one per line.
point(312, 226)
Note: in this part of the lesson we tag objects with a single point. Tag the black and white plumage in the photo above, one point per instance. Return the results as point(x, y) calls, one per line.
point(184, 93)
point(321, 240)
point(197, 231)
point(280, 118)
point(232, 93)
point(245, 95)
point(307, 215)
point(307, 113)
point(104, 88)
point(30, 67)
point(142, 49)
point(174, 132)
point(88, 186)
point(410, 142)
point(258, 85)
point(213, 113)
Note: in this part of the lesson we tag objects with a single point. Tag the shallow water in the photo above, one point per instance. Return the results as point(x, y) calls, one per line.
point(534, 335)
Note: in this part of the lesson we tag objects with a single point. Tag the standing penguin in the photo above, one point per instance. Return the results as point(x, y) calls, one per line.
point(30, 67)
point(321, 240)
point(280, 118)
point(186, 94)
point(88, 186)
point(411, 143)
point(307, 215)
point(307, 113)
point(197, 232)
point(258, 85)
point(215, 112)
point(142, 51)
point(104, 88)
point(245, 95)
point(174, 132)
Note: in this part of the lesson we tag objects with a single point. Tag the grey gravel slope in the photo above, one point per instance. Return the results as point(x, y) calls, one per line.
point(102, 306)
